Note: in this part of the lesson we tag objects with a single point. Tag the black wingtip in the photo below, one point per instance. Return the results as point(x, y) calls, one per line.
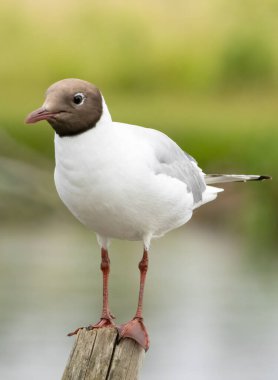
point(263, 177)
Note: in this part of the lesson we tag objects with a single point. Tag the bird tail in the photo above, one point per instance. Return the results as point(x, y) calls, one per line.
point(222, 178)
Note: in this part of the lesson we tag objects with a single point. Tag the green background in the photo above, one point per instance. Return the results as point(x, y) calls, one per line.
point(205, 73)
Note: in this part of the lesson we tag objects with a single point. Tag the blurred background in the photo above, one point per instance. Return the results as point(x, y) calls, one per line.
point(205, 73)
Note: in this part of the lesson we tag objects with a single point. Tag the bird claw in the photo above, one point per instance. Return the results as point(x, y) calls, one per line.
point(103, 322)
point(136, 330)
point(75, 331)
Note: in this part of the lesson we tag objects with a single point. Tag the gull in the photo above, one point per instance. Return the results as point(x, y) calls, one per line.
point(121, 181)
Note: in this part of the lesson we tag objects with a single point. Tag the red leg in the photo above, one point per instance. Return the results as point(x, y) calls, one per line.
point(143, 267)
point(106, 318)
point(135, 329)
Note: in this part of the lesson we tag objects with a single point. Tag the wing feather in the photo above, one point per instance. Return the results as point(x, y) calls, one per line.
point(174, 162)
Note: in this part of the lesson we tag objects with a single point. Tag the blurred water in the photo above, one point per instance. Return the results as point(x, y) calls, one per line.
point(210, 314)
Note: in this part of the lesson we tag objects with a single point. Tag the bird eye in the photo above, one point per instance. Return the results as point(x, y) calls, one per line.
point(79, 98)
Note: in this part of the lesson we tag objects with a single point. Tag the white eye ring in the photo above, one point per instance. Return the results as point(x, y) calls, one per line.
point(79, 98)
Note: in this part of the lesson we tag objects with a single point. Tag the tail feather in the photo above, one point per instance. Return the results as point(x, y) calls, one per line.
point(222, 178)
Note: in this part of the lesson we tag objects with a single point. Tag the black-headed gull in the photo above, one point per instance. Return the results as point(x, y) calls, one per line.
point(122, 181)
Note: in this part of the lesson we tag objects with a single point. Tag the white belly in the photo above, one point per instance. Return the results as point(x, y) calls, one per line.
point(109, 191)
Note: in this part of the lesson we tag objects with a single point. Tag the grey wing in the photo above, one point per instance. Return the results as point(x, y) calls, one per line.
point(174, 162)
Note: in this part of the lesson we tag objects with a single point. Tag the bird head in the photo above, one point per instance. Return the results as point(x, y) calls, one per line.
point(71, 106)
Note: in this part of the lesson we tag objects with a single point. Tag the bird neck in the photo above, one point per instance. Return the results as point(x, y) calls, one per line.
point(105, 117)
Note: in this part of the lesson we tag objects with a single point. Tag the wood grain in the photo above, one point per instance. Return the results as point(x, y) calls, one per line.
point(97, 355)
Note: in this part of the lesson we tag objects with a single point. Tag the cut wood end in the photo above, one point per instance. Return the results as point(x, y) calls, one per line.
point(97, 354)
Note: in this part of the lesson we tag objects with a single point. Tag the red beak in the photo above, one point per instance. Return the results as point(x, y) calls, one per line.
point(39, 114)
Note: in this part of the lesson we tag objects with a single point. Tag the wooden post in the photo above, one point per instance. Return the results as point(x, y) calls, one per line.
point(96, 355)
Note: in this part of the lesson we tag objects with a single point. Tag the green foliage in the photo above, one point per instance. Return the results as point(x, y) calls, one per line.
point(205, 73)
point(246, 62)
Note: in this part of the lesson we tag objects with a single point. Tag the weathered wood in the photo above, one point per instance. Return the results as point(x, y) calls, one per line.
point(96, 355)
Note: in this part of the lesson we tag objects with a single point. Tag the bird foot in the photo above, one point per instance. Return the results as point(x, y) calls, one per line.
point(136, 330)
point(103, 322)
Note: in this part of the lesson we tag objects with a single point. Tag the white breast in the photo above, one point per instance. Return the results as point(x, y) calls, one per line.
point(104, 177)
